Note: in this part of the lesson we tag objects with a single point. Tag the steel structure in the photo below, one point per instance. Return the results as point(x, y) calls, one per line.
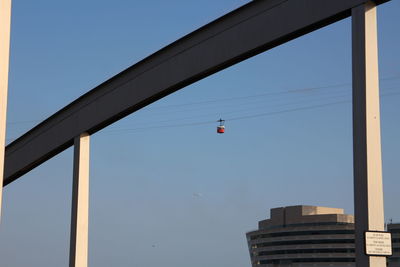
point(249, 30)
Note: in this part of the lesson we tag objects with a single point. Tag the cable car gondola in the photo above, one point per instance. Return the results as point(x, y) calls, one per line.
point(221, 127)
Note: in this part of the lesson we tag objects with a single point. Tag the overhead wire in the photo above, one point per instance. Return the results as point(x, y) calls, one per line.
point(239, 117)
point(238, 109)
point(290, 91)
point(219, 100)
point(242, 110)
point(240, 105)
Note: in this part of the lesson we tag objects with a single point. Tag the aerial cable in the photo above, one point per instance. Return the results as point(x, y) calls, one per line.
point(116, 131)
point(257, 108)
point(291, 91)
point(240, 117)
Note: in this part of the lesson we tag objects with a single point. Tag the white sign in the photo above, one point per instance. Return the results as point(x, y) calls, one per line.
point(378, 243)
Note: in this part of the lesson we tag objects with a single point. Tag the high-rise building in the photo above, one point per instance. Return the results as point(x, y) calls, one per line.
point(394, 228)
point(303, 236)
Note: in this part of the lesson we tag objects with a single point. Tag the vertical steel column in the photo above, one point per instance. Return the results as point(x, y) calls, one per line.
point(80, 203)
point(368, 191)
point(5, 29)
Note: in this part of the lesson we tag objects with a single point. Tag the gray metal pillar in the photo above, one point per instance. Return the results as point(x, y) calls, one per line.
point(368, 191)
point(80, 203)
point(5, 29)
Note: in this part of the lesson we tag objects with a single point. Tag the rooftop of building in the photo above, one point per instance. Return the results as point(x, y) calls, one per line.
point(303, 214)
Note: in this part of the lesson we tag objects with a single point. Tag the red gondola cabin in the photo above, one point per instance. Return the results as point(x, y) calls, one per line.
point(221, 127)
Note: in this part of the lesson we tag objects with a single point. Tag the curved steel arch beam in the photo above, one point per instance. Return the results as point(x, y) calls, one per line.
point(247, 31)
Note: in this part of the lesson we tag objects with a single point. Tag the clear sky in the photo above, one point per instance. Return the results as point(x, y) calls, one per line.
point(167, 193)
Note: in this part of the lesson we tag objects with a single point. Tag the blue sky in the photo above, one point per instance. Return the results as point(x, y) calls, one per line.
point(167, 193)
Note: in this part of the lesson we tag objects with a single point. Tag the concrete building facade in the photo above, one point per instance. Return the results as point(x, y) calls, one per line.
point(309, 236)
point(303, 236)
point(394, 228)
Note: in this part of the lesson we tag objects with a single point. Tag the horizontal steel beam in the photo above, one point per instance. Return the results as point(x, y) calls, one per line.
point(247, 31)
